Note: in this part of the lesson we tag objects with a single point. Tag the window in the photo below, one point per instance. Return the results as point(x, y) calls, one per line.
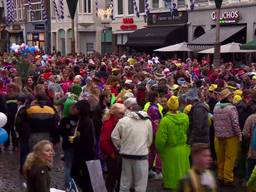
point(155, 4)
point(37, 10)
point(122, 39)
point(130, 7)
point(120, 9)
point(142, 6)
point(201, 1)
point(36, 39)
point(89, 47)
point(53, 10)
point(181, 3)
point(87, 6)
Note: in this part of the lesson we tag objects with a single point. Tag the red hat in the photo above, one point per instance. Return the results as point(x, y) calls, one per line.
point(241, 72)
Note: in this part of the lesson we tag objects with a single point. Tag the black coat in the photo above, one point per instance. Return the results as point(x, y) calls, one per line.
point(84, 150)
point(198, 131)
point(22, 125)
point(67, 128)
point(85, 143)
point(38, 178)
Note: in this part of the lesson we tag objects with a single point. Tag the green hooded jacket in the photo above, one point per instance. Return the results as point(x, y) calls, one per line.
point(171, 143)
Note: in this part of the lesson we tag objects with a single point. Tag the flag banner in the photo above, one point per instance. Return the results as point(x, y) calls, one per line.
point(45, 18)
point(61, 9)
point(32, 14)
point(56, 9)
point(136, 8)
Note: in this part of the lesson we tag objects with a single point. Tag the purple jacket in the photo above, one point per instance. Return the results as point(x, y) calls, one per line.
point(226, 121)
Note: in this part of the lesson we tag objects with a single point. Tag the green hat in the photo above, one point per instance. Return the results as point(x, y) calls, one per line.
point(76, 89)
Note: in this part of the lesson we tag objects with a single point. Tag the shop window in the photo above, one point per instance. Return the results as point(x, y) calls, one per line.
point(142, 6)
point(87, 6)
point(120, 9)
point(89, 47)
point(155, 4)
point(41, 37)
point(122, 39)
point(29, 36)
point(130, 7)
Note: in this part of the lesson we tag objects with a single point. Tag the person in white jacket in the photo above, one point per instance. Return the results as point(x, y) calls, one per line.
point(133, 136)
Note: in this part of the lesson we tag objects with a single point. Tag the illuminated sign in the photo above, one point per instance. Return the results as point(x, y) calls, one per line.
point(227, 17)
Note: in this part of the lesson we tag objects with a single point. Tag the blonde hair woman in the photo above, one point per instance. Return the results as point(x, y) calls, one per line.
point(37, 166)
point(110, 120)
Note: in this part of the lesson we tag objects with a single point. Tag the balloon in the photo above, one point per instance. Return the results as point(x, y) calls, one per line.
point(3, 119)
point(45, 57)
point(13, 46)
point(23, 45)
point(37, 48)
point(27, 49)
point(32, 49)
point(3, 136)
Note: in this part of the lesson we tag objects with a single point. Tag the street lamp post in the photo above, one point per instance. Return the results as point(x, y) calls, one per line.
point(103, 16)
point(216, 57)
point(72, 5)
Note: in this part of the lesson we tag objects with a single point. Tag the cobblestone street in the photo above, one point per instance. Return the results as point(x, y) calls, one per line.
point(11, 180)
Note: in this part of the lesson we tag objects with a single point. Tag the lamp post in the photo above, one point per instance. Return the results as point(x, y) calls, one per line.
point(216, 57)
point(72, 5)
point(103, 17)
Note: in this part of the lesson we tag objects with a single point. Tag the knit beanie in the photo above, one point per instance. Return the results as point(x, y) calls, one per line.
point(173, 103)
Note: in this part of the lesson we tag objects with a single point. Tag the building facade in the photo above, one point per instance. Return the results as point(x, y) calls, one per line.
point(91, 31)
point(126, 22)
point(238, 23)
point(33, 30)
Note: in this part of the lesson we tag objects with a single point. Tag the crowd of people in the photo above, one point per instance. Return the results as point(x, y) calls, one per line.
point(142, 116)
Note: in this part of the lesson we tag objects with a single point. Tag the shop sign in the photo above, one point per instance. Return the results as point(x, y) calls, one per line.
point(128, 24)
point(16, 27)
point(227, 17)
point(166, 18)
point(39, 26)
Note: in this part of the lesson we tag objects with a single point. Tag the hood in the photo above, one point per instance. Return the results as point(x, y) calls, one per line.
point(134, 115)
point(223, 105)
point(178, 118)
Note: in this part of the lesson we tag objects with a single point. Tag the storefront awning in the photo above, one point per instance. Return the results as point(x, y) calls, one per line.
point(208, 39)
point(157, 36)
point(251, 45)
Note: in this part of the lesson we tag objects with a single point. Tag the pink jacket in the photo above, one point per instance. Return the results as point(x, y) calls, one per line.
point(225, 119)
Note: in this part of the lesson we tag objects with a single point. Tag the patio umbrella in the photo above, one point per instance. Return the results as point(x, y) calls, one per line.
point(228, 48)
point(251, 45)
point(180, 47)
